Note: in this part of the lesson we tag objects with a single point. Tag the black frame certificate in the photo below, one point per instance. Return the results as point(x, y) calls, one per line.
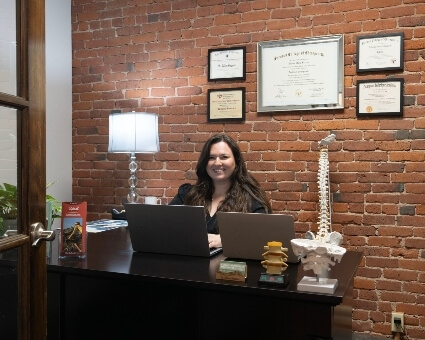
point(380, 52)
point(383, 97)
point(227, 63)
point(226, 105)
point(301, 74)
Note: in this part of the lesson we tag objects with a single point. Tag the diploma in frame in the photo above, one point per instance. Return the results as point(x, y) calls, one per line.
point(227, 63)
point(226, 105)
point(381, 52)
point(383, 97)
point(301, 74)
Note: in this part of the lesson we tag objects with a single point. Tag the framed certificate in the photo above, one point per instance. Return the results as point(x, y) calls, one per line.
point(301, 74)
point(227, 63)
point(226, 105)
point(381, 52)
point(383, 97)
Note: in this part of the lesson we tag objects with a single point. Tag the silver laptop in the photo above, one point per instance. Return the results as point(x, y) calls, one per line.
point(168, 229)
point(244, 235)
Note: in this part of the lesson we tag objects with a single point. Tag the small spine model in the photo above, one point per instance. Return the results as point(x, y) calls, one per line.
point(275, 258)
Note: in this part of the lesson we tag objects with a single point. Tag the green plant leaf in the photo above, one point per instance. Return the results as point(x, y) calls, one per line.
point(9, 203)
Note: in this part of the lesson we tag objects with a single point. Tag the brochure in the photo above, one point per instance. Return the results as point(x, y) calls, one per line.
point(73, 230)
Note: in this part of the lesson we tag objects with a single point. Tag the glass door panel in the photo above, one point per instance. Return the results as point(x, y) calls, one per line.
point(8, 300)
point(8, 47)
point(8, 221)
point(8, 169)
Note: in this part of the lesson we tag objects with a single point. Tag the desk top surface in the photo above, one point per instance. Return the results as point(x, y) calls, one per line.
point(110, 254)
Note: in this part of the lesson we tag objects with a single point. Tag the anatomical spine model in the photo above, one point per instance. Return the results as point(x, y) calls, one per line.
point(317, 251)
point(325, 226)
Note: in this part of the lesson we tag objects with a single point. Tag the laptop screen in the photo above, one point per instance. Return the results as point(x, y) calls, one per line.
point(168, 229)
point(244, 235)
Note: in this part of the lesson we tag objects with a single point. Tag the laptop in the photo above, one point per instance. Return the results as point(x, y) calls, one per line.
point(244, 235)
point(168, 229)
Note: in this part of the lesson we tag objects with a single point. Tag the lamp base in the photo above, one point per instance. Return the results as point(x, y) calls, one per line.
point(132, 196)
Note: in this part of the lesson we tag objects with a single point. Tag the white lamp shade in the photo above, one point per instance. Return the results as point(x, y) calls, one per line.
point(133, 132)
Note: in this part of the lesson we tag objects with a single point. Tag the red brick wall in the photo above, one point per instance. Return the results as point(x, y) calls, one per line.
point(153, 57)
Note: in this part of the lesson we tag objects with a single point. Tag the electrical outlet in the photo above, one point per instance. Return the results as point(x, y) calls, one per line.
point(397, 322)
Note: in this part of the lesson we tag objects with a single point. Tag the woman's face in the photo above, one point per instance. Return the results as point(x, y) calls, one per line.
point(221, 163)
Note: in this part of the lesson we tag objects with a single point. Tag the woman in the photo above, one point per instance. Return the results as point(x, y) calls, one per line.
point(223, 184)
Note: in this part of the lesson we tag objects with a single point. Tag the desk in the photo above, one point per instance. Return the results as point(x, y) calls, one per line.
point(116, 294)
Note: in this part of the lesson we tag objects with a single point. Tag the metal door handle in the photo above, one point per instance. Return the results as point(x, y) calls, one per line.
point(10, 232)
point(38, 234)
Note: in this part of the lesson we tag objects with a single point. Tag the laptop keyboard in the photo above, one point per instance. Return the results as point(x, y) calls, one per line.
point(215, 250)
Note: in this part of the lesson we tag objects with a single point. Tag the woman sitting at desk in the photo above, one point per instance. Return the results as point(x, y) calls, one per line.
point(223, 184)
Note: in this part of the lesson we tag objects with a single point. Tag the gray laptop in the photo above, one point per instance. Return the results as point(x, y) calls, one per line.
point(168, 229)
point(244, 235)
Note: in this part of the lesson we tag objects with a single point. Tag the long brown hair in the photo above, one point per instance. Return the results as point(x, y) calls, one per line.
point(243, 188)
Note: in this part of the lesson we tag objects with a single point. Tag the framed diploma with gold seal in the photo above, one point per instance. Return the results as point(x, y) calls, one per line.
point(380, 52)
point(301, 74)
point(226, 105)
point(227, 63)
point(380, 97)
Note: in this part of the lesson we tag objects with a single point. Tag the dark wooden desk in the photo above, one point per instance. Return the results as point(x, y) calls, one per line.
point(116, 294)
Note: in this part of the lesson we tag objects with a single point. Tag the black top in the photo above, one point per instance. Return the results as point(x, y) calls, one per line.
point(212, 224)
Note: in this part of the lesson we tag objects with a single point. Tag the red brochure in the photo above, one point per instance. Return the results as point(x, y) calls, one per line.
point(73, 230)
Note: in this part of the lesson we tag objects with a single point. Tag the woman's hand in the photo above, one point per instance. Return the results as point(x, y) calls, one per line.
point(214, 240)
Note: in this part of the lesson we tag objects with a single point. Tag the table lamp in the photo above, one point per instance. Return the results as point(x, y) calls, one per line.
point(131, 132)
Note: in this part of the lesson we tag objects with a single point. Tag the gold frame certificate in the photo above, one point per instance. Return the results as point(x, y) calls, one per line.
point(383, 97)
point(226, 104)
